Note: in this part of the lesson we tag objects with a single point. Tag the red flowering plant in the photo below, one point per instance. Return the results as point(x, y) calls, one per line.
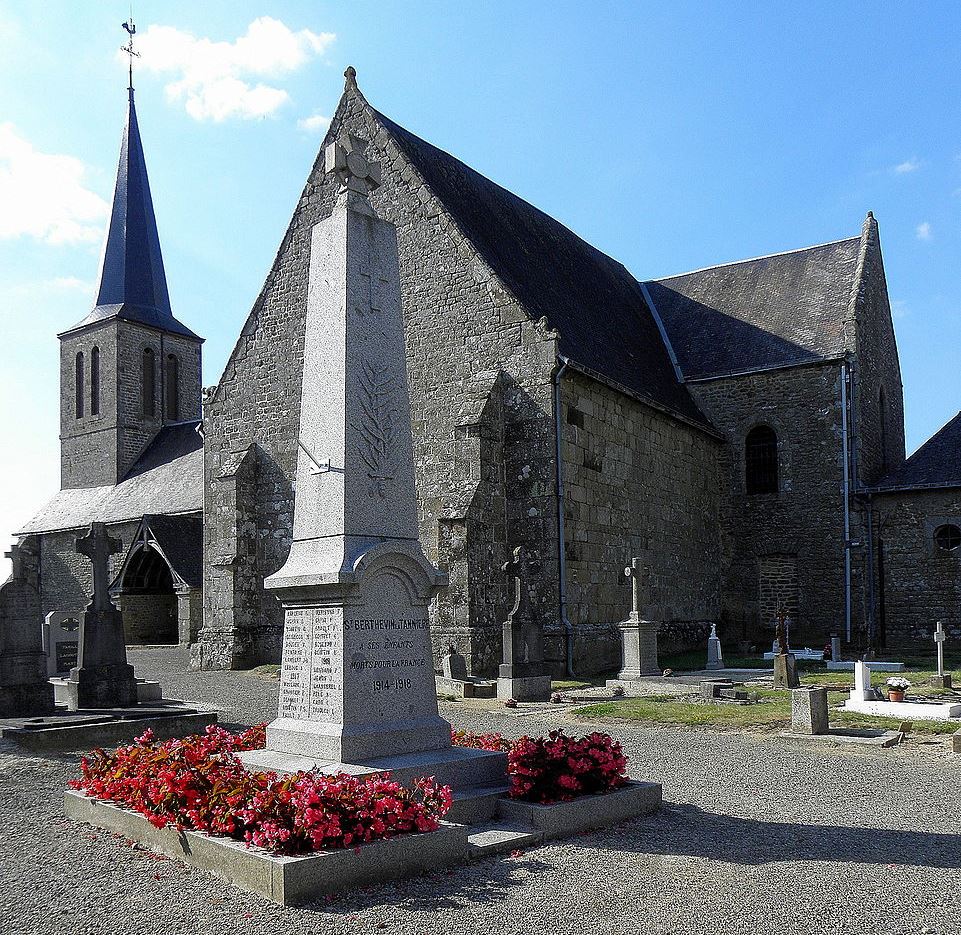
point(198, 783)
point(557, 768)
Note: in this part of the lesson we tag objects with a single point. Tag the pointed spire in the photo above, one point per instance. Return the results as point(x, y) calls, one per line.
point(132, 284)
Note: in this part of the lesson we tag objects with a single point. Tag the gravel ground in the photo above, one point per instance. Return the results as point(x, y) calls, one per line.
point(756, 835)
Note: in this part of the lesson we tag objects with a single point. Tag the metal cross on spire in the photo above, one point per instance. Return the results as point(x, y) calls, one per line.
point(131, 29)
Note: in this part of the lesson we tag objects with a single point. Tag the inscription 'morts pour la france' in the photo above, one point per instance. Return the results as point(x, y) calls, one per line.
point(311, 636)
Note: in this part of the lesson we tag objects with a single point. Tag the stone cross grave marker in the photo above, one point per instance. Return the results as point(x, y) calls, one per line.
point(715, 657)
point(942, 679)
point(638, 635)
point(522, 675)
point(102, 677)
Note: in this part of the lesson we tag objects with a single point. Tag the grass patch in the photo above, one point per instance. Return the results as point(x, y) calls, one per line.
point(772, 713)
point(567, 685)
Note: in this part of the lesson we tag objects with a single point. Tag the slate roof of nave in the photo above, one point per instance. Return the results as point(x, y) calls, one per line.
point(597, 307)
point(937, 463)
point(761, 313)
point(166, 479)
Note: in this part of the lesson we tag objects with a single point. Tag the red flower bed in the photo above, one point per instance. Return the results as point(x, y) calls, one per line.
point(555, 768)
point(197, 783)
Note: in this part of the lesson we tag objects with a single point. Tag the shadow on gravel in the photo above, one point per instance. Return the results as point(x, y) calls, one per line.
point(686, 830)
point(461, 883)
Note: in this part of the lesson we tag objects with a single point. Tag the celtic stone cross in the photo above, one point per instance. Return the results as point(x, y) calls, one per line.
point(345, 160)
point(517, 566)
point(98, 546)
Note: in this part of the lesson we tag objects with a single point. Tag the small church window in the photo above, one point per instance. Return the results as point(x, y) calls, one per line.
point(947, 537)
point(148, 383)
point(173, 388)
point(760, 460)
point(575, 417)
point(78, 384)
point(95, 382)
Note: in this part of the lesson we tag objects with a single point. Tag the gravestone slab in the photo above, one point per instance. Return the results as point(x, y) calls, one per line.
point(24, 689)
point(454, 665)
point(61, 641)
point(809, 710)
point(785, 671)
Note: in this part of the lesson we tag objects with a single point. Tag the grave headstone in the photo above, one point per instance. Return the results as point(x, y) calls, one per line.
point(61, 641)
point(24, 689)
point(862, 690)
point(715, 657)
point(454, 665)
point(102, 677)
point(785, 665)
point(835, 648)
point(942, 679)
point(809, 710)
point(523, 674)
point(357, 685)
point(638, 632)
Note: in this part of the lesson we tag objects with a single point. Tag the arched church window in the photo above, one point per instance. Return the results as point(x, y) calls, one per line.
point(78, 384)
point(947, 537)
point(173, 388)
point(760, 460)
point(95, 382)
point(148, 383)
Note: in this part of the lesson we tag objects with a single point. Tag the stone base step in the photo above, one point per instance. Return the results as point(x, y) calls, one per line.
point(500, 837)
point(476, 805)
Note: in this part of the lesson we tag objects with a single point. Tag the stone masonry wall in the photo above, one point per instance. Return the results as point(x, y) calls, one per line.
point(98, 449)
point(922, 583)
point(804, 520)
point(878, 396)
point(636, 482)
point(460, 322)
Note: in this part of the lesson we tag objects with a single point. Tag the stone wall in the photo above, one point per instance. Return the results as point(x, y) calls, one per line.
point(98, 449)
point(149, 619)
point(878, 403)
point(803, 521)
point(636, 482)
point(921, 582)
point(461, 322)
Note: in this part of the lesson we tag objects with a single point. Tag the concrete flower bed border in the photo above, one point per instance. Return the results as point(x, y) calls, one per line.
point(587, 813)
point(284, 880)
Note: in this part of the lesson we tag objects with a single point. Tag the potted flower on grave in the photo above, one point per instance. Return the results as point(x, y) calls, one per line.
point(897, 686)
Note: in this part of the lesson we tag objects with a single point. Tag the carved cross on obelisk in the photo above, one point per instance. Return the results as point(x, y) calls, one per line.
point(345, 159)
point(522, 674)
point(638, 635)
point(98, 546)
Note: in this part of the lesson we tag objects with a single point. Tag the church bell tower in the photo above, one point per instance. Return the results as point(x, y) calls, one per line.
point(129, 367)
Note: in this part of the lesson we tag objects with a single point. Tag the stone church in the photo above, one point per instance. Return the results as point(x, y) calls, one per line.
point(740, 428)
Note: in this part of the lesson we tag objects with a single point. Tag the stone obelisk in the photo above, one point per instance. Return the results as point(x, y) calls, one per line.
point(357, 679)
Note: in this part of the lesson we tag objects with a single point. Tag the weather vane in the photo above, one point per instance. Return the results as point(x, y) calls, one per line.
point(128, 48)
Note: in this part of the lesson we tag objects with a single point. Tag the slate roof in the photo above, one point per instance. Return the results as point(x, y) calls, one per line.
point(937, 463)
point(592, 301)
point(167, 478)
point(133, 285)
point(766, 312)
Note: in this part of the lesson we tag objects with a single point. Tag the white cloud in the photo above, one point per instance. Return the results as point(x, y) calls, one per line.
point(923, 231)
point(215, 80)
point(44, 196)
point(909, 165)
point(899, 309)
point(315, 123)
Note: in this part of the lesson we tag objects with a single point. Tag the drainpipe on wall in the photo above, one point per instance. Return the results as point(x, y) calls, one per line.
point(561, 557)
point(846, 490)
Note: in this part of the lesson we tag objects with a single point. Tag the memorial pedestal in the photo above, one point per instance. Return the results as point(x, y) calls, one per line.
point(638, 648)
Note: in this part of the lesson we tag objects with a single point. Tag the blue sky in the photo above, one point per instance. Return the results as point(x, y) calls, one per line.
point(672, 136)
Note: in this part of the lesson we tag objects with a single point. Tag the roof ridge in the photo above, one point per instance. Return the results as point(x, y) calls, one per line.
point(753, 259)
